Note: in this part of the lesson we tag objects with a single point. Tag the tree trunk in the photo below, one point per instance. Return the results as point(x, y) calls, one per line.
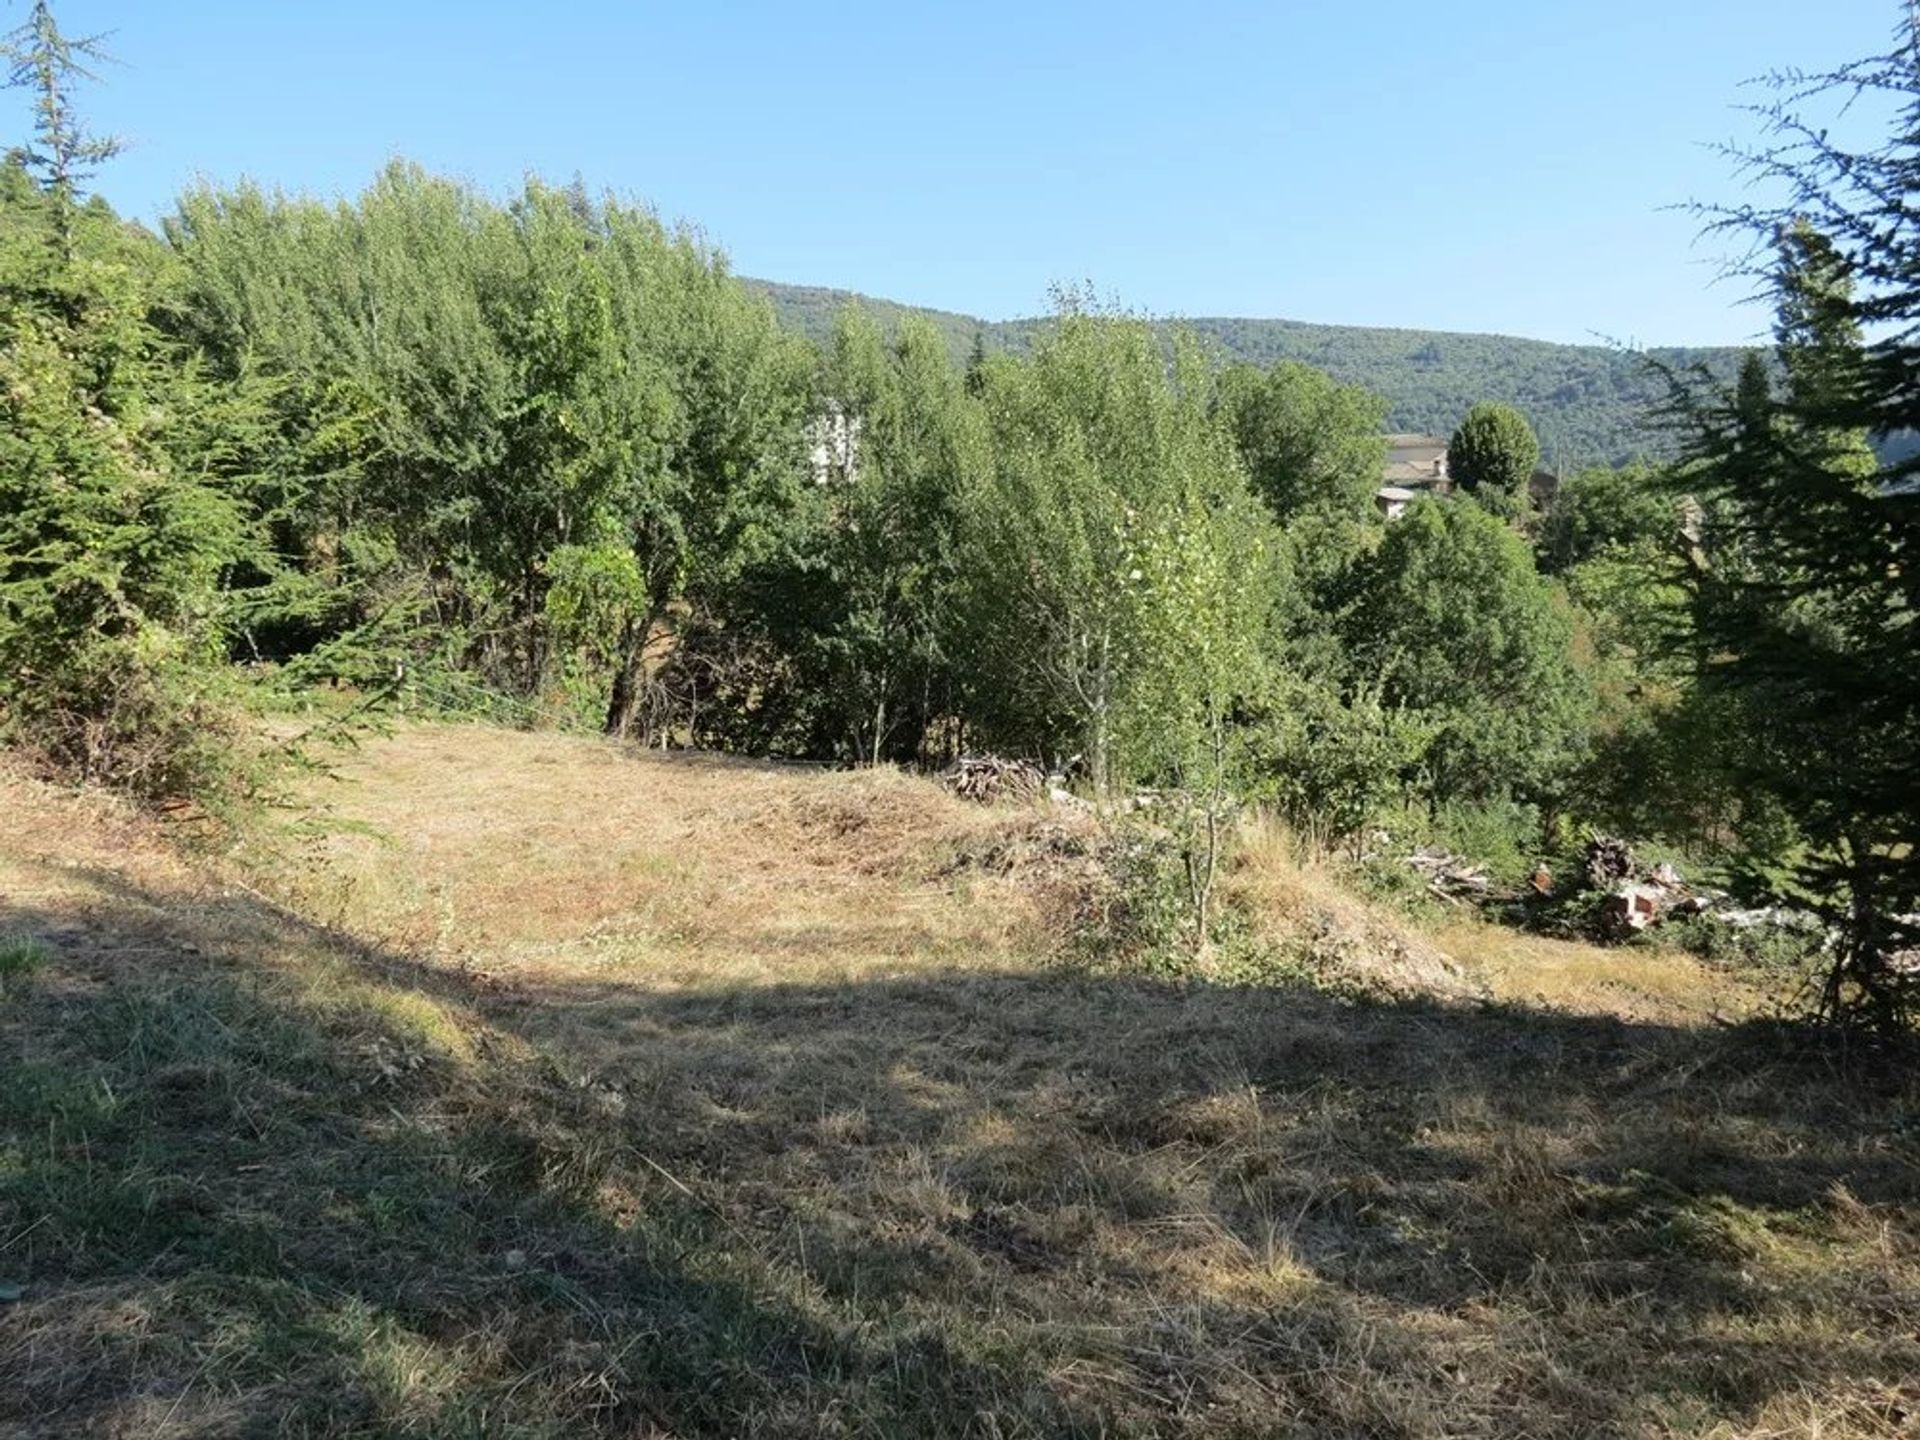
point(624, 698)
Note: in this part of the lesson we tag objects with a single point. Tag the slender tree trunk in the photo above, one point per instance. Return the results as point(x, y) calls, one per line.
point(1100, 726)
point(1203, 852)
point(630, 661)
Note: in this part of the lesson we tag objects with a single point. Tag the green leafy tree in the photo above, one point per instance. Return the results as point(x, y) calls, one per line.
point(1598, 511)
point(1104, 457)
point(742, 391)
point(1451, 622)
point(1492, 456)
point(1308, 442)
point(1313, 451)
point(470, 400)
point(1210, 575)
point(885, 574)
point(47, 63)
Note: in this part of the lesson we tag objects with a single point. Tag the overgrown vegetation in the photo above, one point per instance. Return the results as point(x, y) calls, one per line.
point(528, 1083)
point(545, 458)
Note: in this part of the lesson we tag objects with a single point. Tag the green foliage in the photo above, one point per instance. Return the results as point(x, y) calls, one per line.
point(1591, 404)
point(1453, 624)
point(1307, 441)
point(1769, 953)
point(1335, 765)
point(1119, 556)
point(595, 594)
point(116, 537)
point(1804, 596)
point(20, 956)
point(1144, 920)
point(1600, 511)
point(46, 62)
point(883, 575)
point(463, 390)
point(1492, 456)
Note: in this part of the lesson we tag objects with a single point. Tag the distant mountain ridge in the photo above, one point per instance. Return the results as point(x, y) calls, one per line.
point(1590, 404)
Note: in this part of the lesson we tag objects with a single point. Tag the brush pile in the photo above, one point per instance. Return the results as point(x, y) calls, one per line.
point(988, 778)
point(1635, 897)
point(1451, 878)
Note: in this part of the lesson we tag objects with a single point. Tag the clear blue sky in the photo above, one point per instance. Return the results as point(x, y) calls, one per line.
point(1493, 165)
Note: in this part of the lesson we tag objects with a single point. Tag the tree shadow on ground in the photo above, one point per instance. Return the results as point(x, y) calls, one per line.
point(259, 1178)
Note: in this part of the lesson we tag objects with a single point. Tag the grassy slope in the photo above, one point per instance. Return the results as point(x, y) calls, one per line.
point(1591, 404)
point(583, 1092)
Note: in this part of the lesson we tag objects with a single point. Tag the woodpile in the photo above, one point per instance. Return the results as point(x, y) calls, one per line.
point(988, 778)
point(1607, 863)
point(1450, 878)
point(1637, 900)
point(1629, 909)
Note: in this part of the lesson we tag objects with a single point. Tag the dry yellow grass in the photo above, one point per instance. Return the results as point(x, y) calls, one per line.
point(1465, 957)
point(668, 1096)
point(529, 852)
point(1632, 982)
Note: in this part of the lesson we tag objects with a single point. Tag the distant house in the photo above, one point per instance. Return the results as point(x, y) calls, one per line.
point(1416, 465)
point(1392, 500)
point(1417, 462)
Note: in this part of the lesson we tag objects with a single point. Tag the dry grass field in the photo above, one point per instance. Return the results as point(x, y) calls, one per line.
point(552, 1089)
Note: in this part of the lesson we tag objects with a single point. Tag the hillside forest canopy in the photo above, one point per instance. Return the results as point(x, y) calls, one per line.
point(1593, 404)
point(543, 457)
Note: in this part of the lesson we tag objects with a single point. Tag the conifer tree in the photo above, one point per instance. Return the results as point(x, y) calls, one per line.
point(115, 529)
point(1805, 589)
point(47, 63)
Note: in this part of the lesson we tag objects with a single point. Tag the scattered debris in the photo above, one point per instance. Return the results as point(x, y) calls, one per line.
point(1450, 878)
point(1630, 908)
point(1607, 863)
point(988, 778)
point(1637, 899)
point(1781, 916)
point(1632, 898)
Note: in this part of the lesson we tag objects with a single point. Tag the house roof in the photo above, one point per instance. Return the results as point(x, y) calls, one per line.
point(1414, 459)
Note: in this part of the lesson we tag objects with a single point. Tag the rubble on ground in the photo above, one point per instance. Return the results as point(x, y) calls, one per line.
point(1634, 897)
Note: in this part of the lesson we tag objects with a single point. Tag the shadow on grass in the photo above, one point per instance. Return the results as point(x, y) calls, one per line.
point(257, 1178)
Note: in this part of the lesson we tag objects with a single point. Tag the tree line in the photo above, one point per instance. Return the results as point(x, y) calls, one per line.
point(545, 455)
point(1591, 404)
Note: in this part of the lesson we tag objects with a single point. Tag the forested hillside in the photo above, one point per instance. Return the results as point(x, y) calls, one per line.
point(1590, 404)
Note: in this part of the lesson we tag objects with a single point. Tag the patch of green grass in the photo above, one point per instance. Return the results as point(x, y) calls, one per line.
point(20, 956)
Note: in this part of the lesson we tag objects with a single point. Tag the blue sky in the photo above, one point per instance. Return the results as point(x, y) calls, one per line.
point(1497, 165)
